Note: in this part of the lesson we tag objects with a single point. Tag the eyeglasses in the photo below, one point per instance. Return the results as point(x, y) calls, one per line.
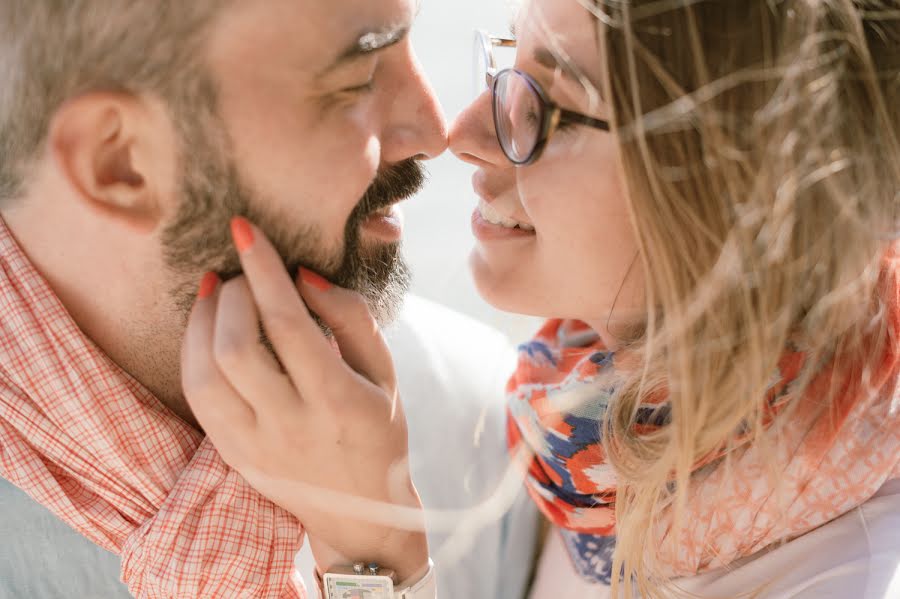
point(525, 118)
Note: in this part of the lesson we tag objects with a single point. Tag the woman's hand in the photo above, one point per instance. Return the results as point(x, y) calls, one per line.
point(317, 428)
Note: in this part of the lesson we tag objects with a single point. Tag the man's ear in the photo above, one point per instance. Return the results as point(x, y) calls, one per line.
point(117, 153)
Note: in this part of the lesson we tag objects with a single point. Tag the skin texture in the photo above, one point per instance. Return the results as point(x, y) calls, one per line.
point(581, 261)
point(308, 146)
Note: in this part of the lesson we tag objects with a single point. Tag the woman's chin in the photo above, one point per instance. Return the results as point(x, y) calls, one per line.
point(501, 289)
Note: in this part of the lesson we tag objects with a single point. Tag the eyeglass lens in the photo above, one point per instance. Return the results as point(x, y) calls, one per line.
point(518, 116)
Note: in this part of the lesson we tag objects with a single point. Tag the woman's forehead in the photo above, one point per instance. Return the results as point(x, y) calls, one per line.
point(565, 29)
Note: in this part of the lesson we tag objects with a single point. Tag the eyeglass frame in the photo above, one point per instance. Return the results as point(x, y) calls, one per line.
point(552, 114)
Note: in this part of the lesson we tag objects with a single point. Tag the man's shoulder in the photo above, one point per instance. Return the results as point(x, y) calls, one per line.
point(436, 322)
point(433, 341)
point(42, 557)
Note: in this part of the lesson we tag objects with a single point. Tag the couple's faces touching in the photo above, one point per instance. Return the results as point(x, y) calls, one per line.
point(306, 109)
point(317, 99)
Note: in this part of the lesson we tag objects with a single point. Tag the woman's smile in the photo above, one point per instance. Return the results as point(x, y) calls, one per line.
point(490, 225)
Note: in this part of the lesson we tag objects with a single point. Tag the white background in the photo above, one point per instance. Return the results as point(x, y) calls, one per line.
point(438, 231)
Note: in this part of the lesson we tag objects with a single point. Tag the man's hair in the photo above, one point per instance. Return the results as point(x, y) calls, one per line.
point(54, 50)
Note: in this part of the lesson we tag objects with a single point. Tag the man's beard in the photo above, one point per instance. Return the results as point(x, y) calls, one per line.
point(198, 240)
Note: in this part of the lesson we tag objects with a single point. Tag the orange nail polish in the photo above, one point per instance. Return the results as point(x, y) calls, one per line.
point(242, 233)
point(208, 285)
point(314, 280)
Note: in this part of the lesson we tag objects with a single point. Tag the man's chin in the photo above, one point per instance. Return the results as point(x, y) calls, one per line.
point(378, 272)
point(386, 302)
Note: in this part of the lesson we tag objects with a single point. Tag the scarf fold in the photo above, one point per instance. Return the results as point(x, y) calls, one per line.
point(87, 441)
point(829, 461)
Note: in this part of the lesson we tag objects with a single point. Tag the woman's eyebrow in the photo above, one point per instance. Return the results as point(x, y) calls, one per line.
point(571, 72)
point(550, 60)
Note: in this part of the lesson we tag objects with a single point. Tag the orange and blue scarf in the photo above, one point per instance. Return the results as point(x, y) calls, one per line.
point(829, 462)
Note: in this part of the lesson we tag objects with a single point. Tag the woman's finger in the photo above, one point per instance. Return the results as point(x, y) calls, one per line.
point(250, 368)
point(298, 341)
point(222, 413)
point(355, 330)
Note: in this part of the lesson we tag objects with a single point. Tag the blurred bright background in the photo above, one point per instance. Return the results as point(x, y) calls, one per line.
point(438, 233)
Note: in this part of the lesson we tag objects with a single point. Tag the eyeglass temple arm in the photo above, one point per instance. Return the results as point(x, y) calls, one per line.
point(568, 116)
point(503, 42)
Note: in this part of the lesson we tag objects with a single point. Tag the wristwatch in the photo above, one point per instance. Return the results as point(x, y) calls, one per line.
point(370, 581)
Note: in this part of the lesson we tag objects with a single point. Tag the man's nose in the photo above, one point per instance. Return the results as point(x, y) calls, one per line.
point(472, 135)
point(420, 127)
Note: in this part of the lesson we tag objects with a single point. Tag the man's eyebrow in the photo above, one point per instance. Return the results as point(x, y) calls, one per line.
point(366, 43)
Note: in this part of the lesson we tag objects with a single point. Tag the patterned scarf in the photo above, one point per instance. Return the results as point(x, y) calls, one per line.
point(829, 462)
point(85, 440)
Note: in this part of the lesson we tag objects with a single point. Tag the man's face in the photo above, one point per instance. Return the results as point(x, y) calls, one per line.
point(321, 113)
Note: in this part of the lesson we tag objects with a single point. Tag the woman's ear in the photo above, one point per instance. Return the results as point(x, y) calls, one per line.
point(117, 153)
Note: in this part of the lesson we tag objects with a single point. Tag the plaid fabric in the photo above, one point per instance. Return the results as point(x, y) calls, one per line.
point(827, 462)
point(84, 439)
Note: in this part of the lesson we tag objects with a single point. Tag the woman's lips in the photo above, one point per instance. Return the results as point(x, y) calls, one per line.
point(495, 216)
point(485, 231)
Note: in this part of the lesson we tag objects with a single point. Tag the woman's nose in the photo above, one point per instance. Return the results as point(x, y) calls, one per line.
point(472, 136)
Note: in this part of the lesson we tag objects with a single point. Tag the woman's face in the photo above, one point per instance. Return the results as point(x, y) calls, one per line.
point(580, 259)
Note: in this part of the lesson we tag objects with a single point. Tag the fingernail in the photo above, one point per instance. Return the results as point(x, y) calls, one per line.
point(208, 285)
point(314, 280)
point(242, 233)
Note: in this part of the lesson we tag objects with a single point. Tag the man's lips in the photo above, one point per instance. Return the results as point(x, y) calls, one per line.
point(386, 224)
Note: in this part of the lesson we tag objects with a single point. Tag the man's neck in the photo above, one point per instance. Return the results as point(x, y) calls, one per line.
point(112, 283)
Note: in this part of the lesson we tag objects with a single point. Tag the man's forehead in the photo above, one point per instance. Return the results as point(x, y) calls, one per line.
point(308, 34)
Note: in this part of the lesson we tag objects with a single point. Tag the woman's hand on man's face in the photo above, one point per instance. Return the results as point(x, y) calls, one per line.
point(318, 432)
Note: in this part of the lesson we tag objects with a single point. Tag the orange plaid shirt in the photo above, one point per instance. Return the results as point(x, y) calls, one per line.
point(87, 441)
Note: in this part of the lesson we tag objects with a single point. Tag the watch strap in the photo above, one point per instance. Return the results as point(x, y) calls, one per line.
point(424, 587)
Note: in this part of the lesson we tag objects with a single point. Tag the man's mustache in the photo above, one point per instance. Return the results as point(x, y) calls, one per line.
point(392, 184)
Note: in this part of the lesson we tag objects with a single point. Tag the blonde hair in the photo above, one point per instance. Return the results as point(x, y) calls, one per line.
point(759, 146)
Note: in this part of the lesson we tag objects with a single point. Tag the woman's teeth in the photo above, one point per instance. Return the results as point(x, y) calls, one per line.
point(495, 218)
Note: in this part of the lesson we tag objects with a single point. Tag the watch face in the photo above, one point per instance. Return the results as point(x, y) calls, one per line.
point(358, 587)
